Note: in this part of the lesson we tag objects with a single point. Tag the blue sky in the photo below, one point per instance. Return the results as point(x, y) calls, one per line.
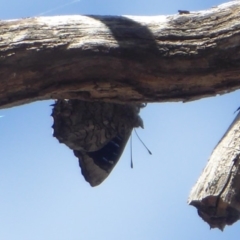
point(43, 194)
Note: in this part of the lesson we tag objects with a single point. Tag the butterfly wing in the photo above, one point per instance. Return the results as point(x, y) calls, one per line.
point(96, 166)
point(83, 125)
point(97, 132)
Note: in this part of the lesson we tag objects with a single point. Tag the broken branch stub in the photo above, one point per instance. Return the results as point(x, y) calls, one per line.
point(216, 195)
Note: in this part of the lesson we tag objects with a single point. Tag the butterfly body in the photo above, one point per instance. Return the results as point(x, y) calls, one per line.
point(97, 132)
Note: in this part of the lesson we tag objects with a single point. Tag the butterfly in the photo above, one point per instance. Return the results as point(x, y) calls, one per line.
point(97, 132)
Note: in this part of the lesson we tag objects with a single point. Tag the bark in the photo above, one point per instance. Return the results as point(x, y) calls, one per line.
point(216, 194)
point(120, 59)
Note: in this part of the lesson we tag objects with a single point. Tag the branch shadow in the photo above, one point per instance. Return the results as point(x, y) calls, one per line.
point(130, 35)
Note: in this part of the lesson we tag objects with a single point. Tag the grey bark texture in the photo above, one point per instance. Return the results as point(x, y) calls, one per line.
point(216, 194)
point(180, 57)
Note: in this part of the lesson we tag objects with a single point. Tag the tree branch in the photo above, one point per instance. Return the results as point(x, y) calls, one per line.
point(216, 193)
point(121, 59)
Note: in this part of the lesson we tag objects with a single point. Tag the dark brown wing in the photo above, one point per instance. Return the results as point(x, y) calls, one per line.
point(97, 132)
point(83, 125)
point(88, 126)
point(96, 166)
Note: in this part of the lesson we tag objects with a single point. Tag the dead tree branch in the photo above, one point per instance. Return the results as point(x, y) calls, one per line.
point(128, 59)
point(216, 194)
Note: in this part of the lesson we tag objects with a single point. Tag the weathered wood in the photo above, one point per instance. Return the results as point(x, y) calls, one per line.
point(216, 194)
point(121, 59)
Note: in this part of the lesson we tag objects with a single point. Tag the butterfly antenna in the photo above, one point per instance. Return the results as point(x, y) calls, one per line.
point(143, 142)
point(131, 152)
